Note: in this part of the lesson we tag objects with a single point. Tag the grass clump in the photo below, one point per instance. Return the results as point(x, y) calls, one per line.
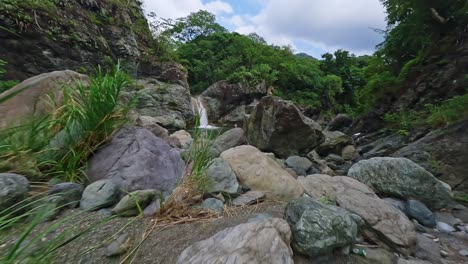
point(449, 111)
point(5, 84)
point(60, 144)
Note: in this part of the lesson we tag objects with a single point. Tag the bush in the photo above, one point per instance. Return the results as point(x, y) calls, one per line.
point(60, 144)
point(449, 111)
point(5, 84)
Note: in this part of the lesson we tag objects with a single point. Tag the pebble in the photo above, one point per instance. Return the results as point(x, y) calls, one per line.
point(444, 253)
point(463, 252)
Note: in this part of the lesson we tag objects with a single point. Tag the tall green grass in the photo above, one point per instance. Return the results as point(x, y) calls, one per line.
point(58, 145)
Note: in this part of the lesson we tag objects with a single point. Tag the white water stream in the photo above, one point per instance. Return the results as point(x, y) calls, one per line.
point(199, 109)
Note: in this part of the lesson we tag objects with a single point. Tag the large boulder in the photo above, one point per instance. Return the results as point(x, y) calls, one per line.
point(223, 97)
point(13, 189)
point(384, 224)
point(278, 126)
point(32, 97)
point(229, 139)
point(442, 152)
point(261, 173)
point(135, 159)
point(264, 241)
point(169, 103)
point(403, 178)
point(319, 229)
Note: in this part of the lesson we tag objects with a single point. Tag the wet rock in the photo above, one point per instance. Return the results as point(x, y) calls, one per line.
point(250, 197)
point(278, 126)
point(261, 241)
point(13, 189)
point(401, 177)
point(135, 159)
point(414, 209)
point(99, 194)
point(260, 173)
point(222, 177)
point(213, 204)
point(319, 229)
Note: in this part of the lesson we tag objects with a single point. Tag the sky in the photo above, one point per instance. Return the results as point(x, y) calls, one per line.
point(310, 26)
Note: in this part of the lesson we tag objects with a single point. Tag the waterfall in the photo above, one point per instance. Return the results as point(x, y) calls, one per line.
point(199, 109)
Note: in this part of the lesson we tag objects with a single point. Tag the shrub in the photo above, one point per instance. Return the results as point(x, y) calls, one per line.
point(5, 84)
point(60, 144)
point(449, 111)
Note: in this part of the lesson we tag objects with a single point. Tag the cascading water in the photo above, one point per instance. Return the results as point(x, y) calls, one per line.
point(198, 108)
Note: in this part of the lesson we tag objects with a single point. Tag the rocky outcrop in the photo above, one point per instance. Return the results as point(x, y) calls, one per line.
point(257, 242)
point(75, 35)
point(278, 126)
point(13, 189)
point(135, 159)
point(401, 177)
point(223, 97)
point(261, 173)
point(170, 104)
point(442, 152)
point(319, 229)
point(32, 97)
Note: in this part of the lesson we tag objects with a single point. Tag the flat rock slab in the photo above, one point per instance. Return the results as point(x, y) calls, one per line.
point(249, 198)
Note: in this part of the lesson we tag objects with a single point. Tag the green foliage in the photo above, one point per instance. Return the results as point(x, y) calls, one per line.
point(60, 144)
point(449, 111)
point(22, 11)
point(7, 84)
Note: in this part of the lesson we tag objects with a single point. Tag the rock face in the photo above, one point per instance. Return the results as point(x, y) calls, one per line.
point(76, 35)
point(401, 177)
point(278, 126)
point(100, 194)
point(257, 242)
point(384, 223)
point(442, 152)
point(13, 189)
point(229, 139)
point(136, 159)
point(319, 229)
point(32, 96)
point(222, 178)
point(261, 173)
point(223, 97)
point(168, 103)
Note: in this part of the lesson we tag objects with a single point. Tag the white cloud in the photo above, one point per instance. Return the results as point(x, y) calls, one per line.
point(328, 24)
point(180, 8)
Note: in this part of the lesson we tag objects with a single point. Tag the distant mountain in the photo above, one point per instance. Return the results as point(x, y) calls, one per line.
point(304, 55)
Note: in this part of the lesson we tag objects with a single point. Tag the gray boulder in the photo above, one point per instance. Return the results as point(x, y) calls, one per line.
point(222, 177)
point(135, 159)
point(229, 139)
point(13, 189)
point(278, 126)
point(334, 143)
point(256, 242)
point(131, 203)
point(100, 194)
point(169, 103)
point(69, 191)
point(300, 165)
point(319, 229)
point(403, 178)
point(416, 210)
